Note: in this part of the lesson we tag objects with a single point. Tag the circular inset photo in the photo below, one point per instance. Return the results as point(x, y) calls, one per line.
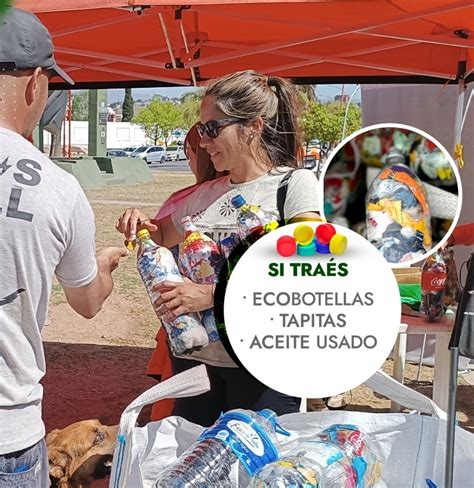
point(396, 186)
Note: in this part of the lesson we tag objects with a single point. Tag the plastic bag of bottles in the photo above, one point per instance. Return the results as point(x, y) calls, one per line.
point(398, 215)
point(239, 436)
point(156, 264)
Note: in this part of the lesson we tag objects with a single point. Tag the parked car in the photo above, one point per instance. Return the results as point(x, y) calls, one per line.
point(116, 153)
point(129, 150)
point(175, 153)
point(151, 154)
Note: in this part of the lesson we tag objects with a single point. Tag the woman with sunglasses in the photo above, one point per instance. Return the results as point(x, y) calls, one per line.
point(249, 129)
point(160, 366)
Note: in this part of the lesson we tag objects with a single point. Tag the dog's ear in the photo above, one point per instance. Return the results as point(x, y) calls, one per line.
point(51, 436)
point(59, 463)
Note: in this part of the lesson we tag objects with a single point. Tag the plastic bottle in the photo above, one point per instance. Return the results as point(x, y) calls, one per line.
point(397, 213)
point(241, 436)
point(200, 260)
point(252, 221)
point(313, 464)
point(358, 448)
point(156, 264)
point(433, 283)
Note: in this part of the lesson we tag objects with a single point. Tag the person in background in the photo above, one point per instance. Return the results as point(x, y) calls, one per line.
point(47, 229)
point(249, 129)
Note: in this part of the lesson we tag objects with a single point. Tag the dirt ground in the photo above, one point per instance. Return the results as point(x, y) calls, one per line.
point(95, 368)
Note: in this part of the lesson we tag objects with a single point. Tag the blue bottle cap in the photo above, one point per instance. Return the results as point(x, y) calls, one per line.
point(237, 201)
point(308, 250)
point(322, 248)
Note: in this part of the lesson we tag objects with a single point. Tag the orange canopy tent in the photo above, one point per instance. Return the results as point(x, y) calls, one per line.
point(120, 43)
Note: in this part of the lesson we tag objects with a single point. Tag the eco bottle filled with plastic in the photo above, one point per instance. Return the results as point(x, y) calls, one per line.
point(200, 260)
point(239, 436)
point(252, 221)
point(156, 264)
point(397, 212)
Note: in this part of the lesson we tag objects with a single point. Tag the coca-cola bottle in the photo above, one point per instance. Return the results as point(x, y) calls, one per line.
point(433, 283)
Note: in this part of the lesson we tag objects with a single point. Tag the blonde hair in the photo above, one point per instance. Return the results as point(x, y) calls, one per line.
point(248, 95)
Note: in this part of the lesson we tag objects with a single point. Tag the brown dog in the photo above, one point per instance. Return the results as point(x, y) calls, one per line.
point(80, 453)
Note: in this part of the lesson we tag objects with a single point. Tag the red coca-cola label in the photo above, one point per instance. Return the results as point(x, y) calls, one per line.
point(432, 281)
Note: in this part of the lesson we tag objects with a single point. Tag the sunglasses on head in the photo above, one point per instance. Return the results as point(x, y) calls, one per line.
point(212, 127)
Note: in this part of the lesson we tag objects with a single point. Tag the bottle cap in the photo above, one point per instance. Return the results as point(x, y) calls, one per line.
point(286, 246)
point(303, 234)
point(322, 248)
point(237, 201)
point(142, 234)
point(324, 233)
point(338, 244)
point(308, 250)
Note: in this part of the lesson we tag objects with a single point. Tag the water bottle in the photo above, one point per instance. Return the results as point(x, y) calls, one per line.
point(156, 264)
point(433, 283)
point(252, 221)
point(358, 448)
point(397, 214)
point(200, 261)
point(313, 463)
point(238, 436)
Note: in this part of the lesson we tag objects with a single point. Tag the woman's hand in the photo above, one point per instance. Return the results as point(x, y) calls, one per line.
point(132, 219)
point(179, 298)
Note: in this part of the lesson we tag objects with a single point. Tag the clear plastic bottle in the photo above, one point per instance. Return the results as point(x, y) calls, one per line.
point(359, 449)
point(397, 214)
point(242, 436)
point(252, 221)
point(200, 260)
point(433, 285)
point(312, 463)
point(156, 264)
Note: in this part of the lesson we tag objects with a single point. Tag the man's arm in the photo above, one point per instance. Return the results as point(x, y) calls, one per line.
point(87, 300)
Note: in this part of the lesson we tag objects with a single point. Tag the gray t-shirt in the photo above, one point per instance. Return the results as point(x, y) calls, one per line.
point(212, 213)
point(46, 228)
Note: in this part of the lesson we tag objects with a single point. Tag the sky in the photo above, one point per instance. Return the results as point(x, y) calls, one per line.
point(324, 92)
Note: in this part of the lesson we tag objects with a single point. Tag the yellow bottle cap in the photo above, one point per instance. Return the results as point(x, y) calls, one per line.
point(338, 244)
point(303, 234)
point(143, 234)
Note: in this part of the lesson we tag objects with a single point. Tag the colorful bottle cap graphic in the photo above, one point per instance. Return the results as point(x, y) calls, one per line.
point(322, 248)
point(303, 234)
point(308, 250)
point(338, 244)
point(286, 246)
point(324, 233)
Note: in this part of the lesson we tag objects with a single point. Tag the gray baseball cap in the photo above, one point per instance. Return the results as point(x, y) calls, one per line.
point(25, 43)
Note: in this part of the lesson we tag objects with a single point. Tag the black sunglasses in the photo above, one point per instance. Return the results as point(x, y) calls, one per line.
point(212, 127)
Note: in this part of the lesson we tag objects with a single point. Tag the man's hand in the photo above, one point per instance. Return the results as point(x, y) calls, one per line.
point(109, 257)
point(132, 219)
point(180, 298)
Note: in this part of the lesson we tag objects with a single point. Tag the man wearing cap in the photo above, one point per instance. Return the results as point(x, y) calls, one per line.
point(47, 228)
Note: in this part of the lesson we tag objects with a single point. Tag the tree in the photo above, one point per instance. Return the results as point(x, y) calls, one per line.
point(325, 121)
point(158, 120)
point(190, 103)
point(127, 106)
point(80, 105)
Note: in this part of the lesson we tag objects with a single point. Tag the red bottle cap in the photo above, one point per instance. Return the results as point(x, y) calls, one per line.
point(324, 233)
point(286, 246)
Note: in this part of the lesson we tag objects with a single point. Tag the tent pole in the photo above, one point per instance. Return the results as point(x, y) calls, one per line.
point(458, 118)
point(451, 422)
